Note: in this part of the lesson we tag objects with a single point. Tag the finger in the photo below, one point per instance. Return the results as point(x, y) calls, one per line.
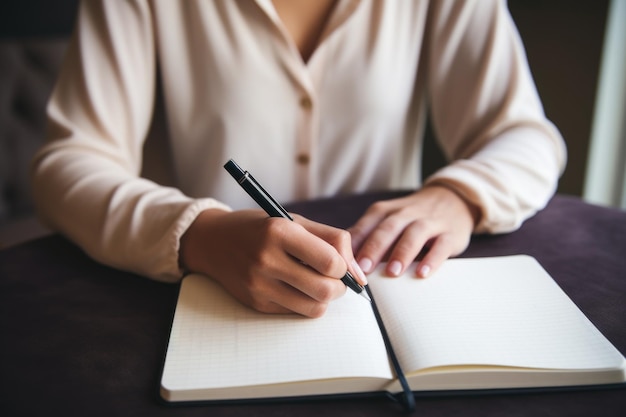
point(341, 240)
point(442, 248)
point(407, 247)
point(286, 299)
point(380, 241)
point(272, 308)
point(296, 301)
point(305, 263)
point(366, 224)
point(312, 284)
point(289, 286)
point(317, 254)
point(297, 242)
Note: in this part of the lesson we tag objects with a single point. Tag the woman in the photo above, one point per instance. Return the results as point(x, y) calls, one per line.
point(316, 98)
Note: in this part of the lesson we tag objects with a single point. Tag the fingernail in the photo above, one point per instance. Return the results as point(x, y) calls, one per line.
point(366, 265)
point(394, 268)
point(359, 272)
point(424, 271)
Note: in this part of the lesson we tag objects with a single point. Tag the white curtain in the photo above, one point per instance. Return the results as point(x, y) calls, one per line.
point(605, 180)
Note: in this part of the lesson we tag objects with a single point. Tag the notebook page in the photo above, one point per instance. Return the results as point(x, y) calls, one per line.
point(217, 342)
point(504, 311)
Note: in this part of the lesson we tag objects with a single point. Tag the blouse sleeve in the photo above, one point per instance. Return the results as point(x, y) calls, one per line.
point(86, 180)
point(506, 157)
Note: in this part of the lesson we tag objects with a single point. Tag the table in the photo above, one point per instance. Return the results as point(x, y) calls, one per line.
point(82, 339)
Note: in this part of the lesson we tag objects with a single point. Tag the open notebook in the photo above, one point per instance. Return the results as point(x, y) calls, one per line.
point(480, 323)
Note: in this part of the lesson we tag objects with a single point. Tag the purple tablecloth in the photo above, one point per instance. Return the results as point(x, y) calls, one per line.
point(81, 339)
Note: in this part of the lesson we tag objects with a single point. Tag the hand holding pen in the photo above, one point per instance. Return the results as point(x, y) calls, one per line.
point(269, 264)
point(274, 209)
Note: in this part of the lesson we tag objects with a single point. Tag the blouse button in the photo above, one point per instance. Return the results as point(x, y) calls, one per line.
point(303, 159)
point(306, 103)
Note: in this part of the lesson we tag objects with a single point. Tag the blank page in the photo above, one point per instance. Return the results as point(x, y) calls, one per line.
point(217, 342)
point(503, 311)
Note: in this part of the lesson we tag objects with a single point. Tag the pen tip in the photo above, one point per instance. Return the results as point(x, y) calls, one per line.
point(364, 295)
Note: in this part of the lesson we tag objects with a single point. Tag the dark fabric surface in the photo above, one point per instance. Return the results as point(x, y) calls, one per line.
point(79, 339)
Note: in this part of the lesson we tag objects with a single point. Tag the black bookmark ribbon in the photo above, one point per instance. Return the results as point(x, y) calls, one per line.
point(406, 397)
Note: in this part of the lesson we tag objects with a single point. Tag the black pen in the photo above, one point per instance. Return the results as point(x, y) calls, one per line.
point(274, 209)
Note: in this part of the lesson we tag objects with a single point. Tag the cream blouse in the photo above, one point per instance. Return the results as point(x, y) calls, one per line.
point(350, 119)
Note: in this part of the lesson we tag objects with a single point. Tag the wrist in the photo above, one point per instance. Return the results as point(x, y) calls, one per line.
point(460, 193)
point(194, 242)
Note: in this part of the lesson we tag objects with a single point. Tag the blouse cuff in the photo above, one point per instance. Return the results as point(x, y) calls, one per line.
point(174, 271)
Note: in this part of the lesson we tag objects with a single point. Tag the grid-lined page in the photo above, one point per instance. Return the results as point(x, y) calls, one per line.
point(503, 311)
point(217, 342)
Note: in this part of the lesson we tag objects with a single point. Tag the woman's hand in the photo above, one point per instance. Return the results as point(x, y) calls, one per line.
point(434, 220)
point(273, 265)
